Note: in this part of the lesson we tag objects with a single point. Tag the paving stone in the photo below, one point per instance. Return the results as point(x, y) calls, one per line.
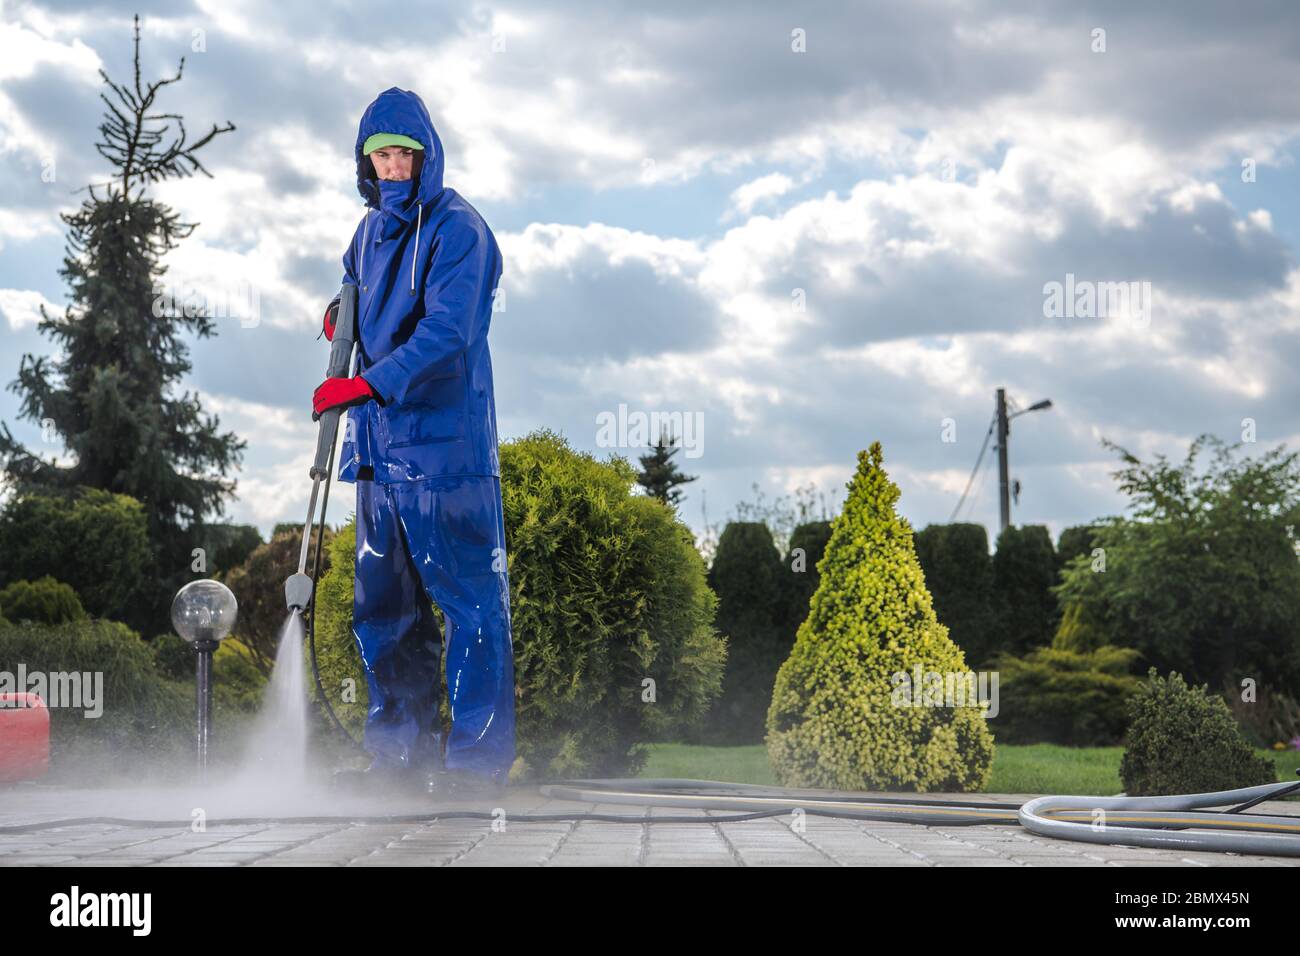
point(438, 841)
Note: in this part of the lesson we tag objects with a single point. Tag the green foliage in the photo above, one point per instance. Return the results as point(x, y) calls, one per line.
point(749, 580)
point(807, 548)
point(1203, 578)
point(1268, 717)
point(119, 354)
point(238, 681)
point(342, 674)
point(258, 586)
point(1075, 541)
point(1080, 630)
point(94, 541)
point(607, 591)
point(834, 721)
point(782, 516)
point(1024, 574)
point(959, 574)
point(1183, 740)
point(45, 600)
point(659, 475)
point(172, 656)
point(1052, 695)
point(142, 711)
point(229, 545)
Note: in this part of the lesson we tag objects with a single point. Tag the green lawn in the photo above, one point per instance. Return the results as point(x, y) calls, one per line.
point(1037, 768)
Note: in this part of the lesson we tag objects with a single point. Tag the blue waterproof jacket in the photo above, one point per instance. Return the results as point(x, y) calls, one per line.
point(425, 265)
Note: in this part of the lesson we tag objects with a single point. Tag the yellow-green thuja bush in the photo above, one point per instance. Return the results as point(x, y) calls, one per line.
point(836, 720)
point(610, 610)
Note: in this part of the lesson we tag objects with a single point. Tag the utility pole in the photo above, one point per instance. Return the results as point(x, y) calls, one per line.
point(1004, 429)
point(1004, 498)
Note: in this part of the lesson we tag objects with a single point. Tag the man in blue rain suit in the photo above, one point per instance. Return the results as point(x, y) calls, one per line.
point(421, 445)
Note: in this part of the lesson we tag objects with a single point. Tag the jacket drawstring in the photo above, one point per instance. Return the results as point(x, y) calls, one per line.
point(416, 254)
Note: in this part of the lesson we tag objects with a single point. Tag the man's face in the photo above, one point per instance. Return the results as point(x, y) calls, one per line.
point(393, 163)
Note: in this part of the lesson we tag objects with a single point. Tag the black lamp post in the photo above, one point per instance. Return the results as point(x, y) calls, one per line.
point(203, 612)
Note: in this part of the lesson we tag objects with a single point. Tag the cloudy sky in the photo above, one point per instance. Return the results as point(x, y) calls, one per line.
point(807, 227)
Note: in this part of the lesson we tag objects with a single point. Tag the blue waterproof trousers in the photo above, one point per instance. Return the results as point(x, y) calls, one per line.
point(439, 540)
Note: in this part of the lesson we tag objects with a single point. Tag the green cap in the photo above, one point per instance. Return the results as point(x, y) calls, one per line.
point(380, 140)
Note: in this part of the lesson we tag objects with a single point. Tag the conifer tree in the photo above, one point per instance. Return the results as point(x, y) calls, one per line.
point(837, 718)
point(659, 475)
point(109, 390)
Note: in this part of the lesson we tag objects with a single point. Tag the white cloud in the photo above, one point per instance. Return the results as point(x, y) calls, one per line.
point(23, 50)
point(920, 289)
point(745, 198)
point(21, 307)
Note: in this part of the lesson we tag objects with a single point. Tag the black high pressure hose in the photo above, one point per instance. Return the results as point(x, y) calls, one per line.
point(1157, 822)
point(310, 615)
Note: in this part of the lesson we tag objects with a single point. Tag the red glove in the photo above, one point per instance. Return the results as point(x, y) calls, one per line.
point(339, 393)
point(331, 319)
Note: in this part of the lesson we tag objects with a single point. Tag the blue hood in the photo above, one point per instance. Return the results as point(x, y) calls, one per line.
point(400, 111)
point(426, 267)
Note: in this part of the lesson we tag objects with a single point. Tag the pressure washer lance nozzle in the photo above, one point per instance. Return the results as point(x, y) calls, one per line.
point(297, 591)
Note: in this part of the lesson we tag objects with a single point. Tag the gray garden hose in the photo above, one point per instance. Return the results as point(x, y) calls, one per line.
point(1158, 822)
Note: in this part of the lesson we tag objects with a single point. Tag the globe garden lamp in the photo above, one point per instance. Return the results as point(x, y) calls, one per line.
point(203, 612)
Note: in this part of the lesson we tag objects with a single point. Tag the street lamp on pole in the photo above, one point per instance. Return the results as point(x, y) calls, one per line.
point(203, 612)
point(1004, 429)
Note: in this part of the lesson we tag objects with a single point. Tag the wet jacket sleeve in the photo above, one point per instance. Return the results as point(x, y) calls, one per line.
point(457, 299)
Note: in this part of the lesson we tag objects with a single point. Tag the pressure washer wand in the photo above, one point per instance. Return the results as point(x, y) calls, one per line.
point(298, 587)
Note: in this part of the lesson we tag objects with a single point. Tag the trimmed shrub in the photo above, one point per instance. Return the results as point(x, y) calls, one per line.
point(1024, 574)
point(143, 713)
point(1182, 739)
point(1077, 699)
point(45, 601)
point(607, 593)
point(94, 541)
point(748, 577)
point(959, 574)
point(835, 719)
point(807, 548)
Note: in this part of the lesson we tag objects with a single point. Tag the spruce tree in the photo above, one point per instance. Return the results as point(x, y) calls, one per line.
point(659, 475)
point(837, 719)
point(109, 392)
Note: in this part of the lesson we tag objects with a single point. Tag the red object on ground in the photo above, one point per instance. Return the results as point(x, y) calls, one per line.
point(24, 737)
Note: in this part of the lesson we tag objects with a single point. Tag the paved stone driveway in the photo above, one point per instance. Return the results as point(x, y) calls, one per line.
point(766, 842)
